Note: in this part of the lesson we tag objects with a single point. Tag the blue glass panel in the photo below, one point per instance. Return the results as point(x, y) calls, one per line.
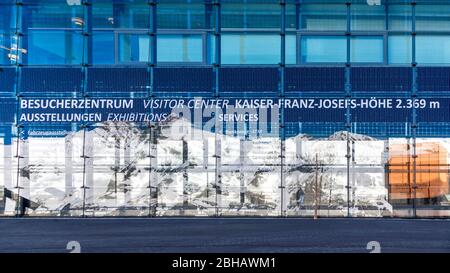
point(315, 79)
point(324, 49)
point(433, 17)
point(249, 79)
point(7, 18)
point(120, 14)
point(7, 53)
point(323, 17)
point(57, 80)
point(183, 79)
point(291, 17)
point(291, 49)
point(432, 49)
point(134, 48)
point(381, 79)
point(366, 49)
point(113, 80)
point(251, 15)
point(103, 47)
point(399, 49)
point(211, 49)
point(7, 79)
point(367, 17)
point(433, 79)
point(180, 48)
point(58, 15)
point(400, 17)
point(181, 16)
point(250, 49)
point(55, 47)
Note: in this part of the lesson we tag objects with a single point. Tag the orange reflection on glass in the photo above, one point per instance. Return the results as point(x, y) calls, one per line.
point(431, 171)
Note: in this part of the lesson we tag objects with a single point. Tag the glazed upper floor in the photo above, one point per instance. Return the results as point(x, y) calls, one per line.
point(226, 32)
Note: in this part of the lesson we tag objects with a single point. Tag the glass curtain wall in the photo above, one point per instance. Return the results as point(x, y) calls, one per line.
point(346, 163)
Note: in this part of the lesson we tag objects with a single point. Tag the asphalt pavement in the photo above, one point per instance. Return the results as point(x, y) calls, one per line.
point(222, 235)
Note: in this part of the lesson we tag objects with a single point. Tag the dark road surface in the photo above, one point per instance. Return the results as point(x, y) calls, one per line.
point(223, 235)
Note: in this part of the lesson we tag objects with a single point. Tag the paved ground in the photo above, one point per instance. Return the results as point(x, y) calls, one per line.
point(223, 235)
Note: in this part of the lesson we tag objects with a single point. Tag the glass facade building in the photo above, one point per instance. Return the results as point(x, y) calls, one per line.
point(349, 111)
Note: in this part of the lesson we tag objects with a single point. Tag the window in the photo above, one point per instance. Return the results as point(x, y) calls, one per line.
point(66, 48)
point(250, 48)
point(53, 15)
point(251, 15)
point(400, 17)
point(118, 14)
point(291, 16)
point(432, 49)
point(323, 17)
point(134, 48)
point(211, 48)
point(180, 48)
point(366, 49)
point(366, 17)
point(7, 54)
point(182, 16)
point(103, 47)
point(324, 49)
point(291, 49)
point(7, 18)
point(433, 17)
point(399, 49)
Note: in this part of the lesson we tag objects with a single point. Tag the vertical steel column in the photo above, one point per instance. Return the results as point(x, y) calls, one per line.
point(242, 157)
point(17, 53)
point(152, 189)
point(206, 165)
point(87, 28)
point(348, 95)
point(298, 17)
point(185, 164)
point(116, 167)
point(127, 165)
point(414, 110)
point(281, 94)
point(386, 31)
point(387, 174)
point(218, 146)
point(23, 183)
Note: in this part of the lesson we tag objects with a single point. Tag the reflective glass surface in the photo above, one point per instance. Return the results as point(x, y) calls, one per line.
point(120, 14)
point(103, 47)
point(432, 49)
point(251, 16)
point(400, 17)
point(323, 17)
point(7, 18)
point(250, 49)
point(53, 15)
point(366, 17)
point(133, 48)
point(68, 49)
point(180, 48)
point(400, 49)
point(204, 166)
point(366, 49)
point(432, 17)
point(324, 49)
point(183, 16)
point(8, 54)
